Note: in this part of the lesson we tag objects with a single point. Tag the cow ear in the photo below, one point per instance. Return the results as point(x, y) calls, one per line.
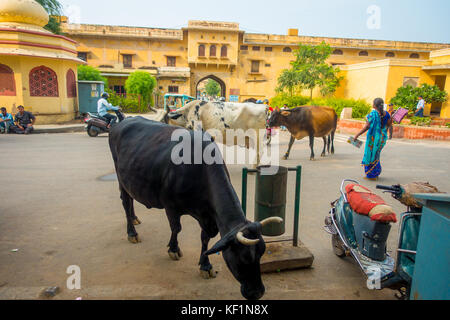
point(286, 113)
point(224, 243)
point(174, 115)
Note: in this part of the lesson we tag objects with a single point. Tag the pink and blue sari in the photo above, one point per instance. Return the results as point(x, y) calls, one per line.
point(376, 140)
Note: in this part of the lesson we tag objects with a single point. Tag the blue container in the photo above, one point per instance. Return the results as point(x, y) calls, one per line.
point(89, 92)
point(431, 280)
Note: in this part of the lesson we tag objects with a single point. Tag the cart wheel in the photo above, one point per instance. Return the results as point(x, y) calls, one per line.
point(91, 132)
point(338, 246)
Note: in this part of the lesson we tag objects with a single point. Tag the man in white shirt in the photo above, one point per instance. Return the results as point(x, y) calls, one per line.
point(420, 107)
point(103, 106)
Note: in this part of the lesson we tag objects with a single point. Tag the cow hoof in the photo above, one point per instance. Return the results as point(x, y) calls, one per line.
point(323, 155)
point(175, 256)
point(134, 240)
point(211, 274)
point(312, 159)
point(136, 222)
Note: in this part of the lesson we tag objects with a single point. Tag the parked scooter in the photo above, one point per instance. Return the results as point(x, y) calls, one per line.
point(364, 238)
point(95, 124)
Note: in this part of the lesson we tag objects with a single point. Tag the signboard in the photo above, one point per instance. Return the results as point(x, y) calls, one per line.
point(234, 98)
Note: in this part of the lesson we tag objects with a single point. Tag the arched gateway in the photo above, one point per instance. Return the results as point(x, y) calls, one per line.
point(223, 89)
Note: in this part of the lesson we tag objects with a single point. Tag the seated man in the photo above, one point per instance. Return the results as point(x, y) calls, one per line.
point(103, 106)
point(6, 121)
point(24, 121)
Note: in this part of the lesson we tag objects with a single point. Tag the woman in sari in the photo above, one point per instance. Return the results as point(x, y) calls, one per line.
point(378, 122)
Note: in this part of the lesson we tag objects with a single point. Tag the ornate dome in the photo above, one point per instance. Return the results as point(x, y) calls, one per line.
point(23, 11)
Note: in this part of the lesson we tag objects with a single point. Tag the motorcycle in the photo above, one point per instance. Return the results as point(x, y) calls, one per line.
point(364, 238)
point(95, 124)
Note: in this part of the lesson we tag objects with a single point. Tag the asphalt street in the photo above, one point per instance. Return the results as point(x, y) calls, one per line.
point(56, 211)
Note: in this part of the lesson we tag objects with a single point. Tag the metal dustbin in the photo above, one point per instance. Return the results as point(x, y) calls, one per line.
point(89, 93)
point(270, 200)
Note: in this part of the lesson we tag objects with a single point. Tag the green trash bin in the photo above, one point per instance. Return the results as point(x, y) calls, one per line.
point(89, 92)
point(270, 200)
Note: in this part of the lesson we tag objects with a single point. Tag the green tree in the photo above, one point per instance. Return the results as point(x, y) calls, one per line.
point(407, 97)
point(212, 88)
point(88, 73)
point(54, 9)
point(313, 71)
point(289, 80)
point(141, 83)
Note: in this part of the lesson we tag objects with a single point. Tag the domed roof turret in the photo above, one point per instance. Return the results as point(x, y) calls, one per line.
point(23, 11)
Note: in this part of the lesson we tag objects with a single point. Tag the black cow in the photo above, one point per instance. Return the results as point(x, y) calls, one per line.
point(142, 153)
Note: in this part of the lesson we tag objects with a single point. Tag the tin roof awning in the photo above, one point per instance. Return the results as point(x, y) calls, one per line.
point(115, 74)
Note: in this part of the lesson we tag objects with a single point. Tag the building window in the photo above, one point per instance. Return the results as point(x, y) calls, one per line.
point(127, 61)
point(244, 48)
point(338, 52)
point(212, 51)
point(171, 61)
point(411, 81)
point(173, 89)
point(201, 50)
point(256, 48)
point(414, 56)
point(268, 65)
point(82, 56)
point(71, 84)
point(255, 66)
point(43, 82)
point(390, 54)
point(119, 90)
point(224, 51)
point(287, 49)
point(363, 54)
point(268, 49)
point(7, 82)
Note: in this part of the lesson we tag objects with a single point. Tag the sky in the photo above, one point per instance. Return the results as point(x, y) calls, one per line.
point(399, 20)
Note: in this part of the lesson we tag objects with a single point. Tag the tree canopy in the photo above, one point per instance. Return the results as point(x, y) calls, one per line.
point(54, 9)
point(141, 83)
point(212, 88)
point(310, 70)
point(88, 73)
point(407, 97)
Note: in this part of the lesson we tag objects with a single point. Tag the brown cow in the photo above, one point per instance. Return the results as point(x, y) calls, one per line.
point(307, 121)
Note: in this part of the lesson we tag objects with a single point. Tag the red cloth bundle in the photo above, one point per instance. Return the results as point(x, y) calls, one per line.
point(365, 202)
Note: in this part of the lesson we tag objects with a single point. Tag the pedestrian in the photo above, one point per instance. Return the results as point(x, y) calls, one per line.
point(378, 122)
point(24, 121)
point(420, 107)
point(6, 121)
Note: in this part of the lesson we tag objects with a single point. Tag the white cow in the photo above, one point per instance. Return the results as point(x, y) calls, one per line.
point(223, 116)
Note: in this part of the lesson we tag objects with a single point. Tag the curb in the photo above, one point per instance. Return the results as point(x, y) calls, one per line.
point(69, 129)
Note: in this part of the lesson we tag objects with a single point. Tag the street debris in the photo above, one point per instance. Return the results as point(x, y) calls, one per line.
point(51, 292)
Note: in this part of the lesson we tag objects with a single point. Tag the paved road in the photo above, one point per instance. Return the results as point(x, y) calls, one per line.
point(57, 212)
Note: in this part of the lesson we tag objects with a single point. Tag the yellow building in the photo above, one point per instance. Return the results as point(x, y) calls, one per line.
point(37, 68)
point(247, 66)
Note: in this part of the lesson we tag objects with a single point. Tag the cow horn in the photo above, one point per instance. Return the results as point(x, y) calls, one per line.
point(267, 221)
point(247, 242)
